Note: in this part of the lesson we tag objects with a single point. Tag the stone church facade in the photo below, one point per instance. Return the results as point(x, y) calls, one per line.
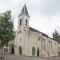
point(28, 40)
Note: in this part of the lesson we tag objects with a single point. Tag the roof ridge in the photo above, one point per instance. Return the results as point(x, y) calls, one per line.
point(39, 31)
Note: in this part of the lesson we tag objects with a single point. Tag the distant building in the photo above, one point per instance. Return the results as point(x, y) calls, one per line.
point(28, 40)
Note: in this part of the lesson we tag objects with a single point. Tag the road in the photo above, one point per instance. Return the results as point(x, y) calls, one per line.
point(14, 57)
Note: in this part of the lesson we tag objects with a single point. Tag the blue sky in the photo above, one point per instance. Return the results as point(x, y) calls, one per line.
point(44, 14)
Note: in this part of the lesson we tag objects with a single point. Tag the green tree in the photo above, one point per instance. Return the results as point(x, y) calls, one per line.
point(6, 28)
point(38, 52)
point(55, 35)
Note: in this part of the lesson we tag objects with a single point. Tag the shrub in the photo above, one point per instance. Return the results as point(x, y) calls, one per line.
point(38, 52)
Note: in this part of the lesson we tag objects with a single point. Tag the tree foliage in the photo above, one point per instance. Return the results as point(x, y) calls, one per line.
point(6, 28)
point(56, 35)
point(38, 52)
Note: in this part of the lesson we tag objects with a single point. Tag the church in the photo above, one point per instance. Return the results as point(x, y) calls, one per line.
point(31, 42)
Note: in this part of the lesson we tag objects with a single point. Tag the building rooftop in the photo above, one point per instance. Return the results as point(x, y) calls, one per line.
point(38, 31)
point(24, 11)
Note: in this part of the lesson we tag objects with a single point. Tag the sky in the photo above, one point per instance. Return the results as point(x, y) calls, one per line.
point(44, 14)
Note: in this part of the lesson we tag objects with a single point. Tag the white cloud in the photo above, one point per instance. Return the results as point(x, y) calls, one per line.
point(44, 14)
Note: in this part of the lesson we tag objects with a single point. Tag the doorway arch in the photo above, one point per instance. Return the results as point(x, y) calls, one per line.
point(33, 51)
point(20, 50)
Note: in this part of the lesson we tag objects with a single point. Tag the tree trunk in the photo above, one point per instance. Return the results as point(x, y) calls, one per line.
point(2, 51)
point(1, 56)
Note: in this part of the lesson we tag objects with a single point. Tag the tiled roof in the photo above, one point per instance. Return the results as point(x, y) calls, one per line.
point(32, 29)
point(38, 31)
point(58, 40)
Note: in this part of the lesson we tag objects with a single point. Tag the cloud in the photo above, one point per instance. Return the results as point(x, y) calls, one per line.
point(44, 14)
point(50, 7)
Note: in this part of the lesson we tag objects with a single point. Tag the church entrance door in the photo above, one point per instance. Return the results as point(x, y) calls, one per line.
point(20, 50)
point(33, 51)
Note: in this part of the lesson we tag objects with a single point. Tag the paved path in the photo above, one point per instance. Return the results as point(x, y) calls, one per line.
point(14, 57)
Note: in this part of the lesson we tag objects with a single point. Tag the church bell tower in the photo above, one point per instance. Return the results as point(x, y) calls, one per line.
point(22, 31)
point(23, 18)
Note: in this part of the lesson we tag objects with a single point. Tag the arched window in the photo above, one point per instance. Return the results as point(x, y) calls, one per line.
point(26, 22)
point(33, 51)
point(20, 50)
point(20, 21)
